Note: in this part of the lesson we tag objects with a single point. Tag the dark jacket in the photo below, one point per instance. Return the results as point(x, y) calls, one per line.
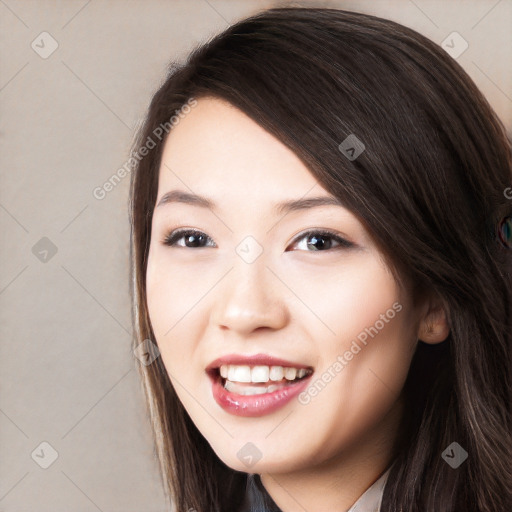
point(257, 498)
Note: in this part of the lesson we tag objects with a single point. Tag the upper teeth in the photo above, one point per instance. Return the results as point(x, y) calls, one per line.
point(245, 373)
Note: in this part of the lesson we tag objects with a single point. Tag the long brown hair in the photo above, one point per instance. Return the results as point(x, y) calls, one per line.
point(430, 188)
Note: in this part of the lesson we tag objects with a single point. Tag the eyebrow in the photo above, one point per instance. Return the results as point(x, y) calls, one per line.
point(180, 196)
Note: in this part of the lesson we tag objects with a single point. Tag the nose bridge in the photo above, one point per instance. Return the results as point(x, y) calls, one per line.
point(247, 299)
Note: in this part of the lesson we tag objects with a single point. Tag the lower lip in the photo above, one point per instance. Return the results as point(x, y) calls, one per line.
point(255, 405)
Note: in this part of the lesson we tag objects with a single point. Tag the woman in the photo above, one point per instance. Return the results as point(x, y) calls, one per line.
point(321, 252)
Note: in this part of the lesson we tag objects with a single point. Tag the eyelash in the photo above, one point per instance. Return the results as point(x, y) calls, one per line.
point(171, 239)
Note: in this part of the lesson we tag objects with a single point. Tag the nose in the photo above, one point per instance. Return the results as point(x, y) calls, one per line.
point(250, 298)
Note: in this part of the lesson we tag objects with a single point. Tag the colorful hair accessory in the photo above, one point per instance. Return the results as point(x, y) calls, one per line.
point(505, 231)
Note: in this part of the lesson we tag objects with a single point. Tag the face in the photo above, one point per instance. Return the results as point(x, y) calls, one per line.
point(309, 332)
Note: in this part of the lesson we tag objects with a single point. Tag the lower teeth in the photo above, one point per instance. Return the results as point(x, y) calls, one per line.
point(244, 389)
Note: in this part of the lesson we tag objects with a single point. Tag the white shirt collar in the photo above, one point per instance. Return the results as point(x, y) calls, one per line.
point(371, 499)
point(257, 498)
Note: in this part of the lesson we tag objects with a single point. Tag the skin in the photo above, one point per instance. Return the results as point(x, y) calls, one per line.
point(292, 302)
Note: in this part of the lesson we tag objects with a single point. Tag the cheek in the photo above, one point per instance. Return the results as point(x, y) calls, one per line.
point(171, 296)
point(174, 295)
point(344, 298)
point(363, 365)
point(374, 331)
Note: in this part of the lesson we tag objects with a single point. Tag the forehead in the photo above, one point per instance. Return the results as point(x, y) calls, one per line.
point(216, 148)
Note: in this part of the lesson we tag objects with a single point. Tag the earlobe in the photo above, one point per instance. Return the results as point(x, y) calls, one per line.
point(434, 327)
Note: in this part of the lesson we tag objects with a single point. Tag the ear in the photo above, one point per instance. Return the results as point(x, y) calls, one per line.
point(434, 326)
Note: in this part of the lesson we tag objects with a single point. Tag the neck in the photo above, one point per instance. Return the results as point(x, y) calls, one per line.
point(337, 483)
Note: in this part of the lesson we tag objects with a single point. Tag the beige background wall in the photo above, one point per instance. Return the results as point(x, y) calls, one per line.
point(67, 375)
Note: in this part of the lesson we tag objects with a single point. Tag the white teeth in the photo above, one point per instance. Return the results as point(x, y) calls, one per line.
point(276, 373)
point(260, 374)
point(239, 373)
point(234, 387)
point(290, 373)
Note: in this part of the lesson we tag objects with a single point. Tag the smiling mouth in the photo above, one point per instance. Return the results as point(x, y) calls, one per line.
point(246, 380)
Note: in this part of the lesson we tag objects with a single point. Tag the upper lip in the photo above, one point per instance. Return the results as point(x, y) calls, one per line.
point(253, 360)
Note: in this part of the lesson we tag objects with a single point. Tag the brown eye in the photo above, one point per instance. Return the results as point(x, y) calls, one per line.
point(192, 238)
point(323, 240)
